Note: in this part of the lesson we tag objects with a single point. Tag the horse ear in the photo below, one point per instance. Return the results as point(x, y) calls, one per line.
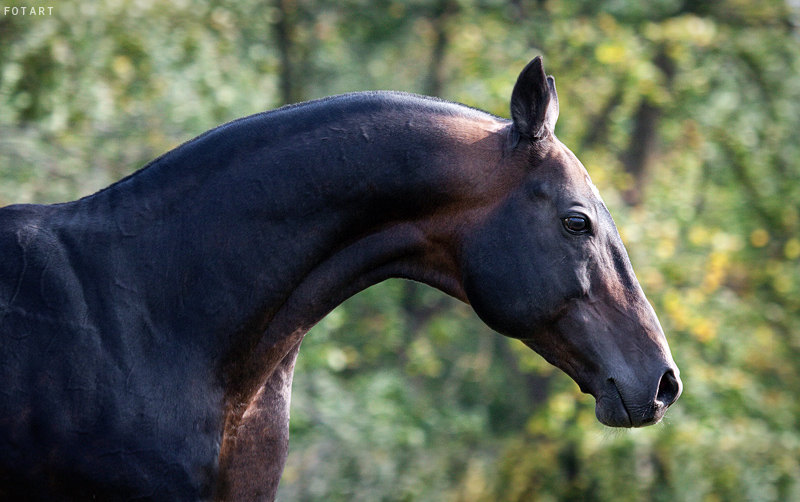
point(534, 102)
point(552, 109)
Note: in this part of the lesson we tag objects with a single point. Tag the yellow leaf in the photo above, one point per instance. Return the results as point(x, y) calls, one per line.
point(759, 237)
point(792, 249)
point(704, 330)
point(610, 54)
point(699, 235)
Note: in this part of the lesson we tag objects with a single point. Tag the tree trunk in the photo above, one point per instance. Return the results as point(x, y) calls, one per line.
point(637, 158)
point(443, 11)
point(284, 35)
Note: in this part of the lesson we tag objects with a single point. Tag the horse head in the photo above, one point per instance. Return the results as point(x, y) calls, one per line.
point(546, 265)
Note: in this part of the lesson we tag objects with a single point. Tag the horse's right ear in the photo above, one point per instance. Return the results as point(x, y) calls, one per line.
point(534, 104)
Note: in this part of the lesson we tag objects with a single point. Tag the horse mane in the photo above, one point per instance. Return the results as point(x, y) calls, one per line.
point(305, 113)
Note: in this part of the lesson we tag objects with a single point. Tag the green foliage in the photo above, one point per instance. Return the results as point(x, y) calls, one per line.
point(686, 115)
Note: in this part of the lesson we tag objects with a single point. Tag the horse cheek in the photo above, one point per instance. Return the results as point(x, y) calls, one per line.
point(502, 282)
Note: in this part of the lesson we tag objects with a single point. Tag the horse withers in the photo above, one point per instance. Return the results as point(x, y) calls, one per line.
point(148, 332)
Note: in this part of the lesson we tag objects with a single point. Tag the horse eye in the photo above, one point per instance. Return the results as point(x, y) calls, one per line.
point(576, 224)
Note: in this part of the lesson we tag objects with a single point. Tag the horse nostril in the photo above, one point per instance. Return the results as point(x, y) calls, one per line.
point(669, 388)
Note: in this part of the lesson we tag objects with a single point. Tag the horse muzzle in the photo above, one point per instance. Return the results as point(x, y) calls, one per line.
point(622, 404)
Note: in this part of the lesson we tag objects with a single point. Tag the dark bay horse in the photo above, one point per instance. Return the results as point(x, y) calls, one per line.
point(148, 333)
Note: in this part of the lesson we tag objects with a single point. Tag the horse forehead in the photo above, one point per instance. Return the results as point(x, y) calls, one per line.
point(575, 173)
point(593, 188)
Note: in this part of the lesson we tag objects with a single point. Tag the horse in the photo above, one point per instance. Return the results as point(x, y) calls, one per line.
point(149, 332)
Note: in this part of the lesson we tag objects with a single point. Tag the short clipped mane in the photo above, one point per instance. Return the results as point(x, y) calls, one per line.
point(353, 102)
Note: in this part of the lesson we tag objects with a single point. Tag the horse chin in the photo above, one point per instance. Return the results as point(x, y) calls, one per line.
point(613, 410)
point(610, 409)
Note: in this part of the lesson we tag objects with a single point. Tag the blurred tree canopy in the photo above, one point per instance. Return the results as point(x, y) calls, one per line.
point(685, 112)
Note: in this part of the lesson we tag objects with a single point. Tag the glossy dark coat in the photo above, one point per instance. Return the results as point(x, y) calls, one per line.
point(148, 333)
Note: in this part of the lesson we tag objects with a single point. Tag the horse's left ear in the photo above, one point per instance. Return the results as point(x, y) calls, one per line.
point(534, 102)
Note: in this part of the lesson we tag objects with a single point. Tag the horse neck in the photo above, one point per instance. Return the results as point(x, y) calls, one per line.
point(245, 237)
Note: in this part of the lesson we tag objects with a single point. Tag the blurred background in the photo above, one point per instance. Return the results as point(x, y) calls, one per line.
point(686, 114)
